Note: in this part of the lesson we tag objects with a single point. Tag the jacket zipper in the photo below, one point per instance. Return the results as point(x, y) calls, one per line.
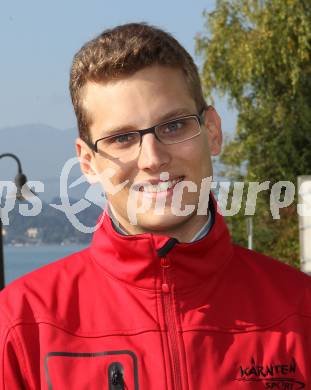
point(170, 322)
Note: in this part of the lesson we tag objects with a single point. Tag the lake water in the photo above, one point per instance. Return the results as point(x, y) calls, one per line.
point(21, 260)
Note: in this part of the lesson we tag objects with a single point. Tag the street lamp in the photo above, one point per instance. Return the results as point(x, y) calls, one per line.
point(20, 180)
point(249, 229)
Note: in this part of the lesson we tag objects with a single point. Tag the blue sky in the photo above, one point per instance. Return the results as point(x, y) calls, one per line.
point(38, 39)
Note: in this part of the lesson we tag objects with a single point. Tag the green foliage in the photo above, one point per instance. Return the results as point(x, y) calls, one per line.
point(258, 53)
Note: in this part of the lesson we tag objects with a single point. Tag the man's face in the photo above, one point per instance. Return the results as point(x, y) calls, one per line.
point(152, 95)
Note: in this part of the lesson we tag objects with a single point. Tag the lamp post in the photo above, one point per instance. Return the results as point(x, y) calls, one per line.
point(249, 228)
point(20, 180)
point(304, 212)
point(1, 258)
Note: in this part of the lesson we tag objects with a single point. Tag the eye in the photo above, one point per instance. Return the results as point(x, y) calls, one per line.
point(172, 127)
point(122, 139)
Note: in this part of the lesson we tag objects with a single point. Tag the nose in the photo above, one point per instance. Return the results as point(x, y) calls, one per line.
point(152, 154)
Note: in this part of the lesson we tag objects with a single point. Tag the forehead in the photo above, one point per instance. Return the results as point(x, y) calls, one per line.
point(137, 101)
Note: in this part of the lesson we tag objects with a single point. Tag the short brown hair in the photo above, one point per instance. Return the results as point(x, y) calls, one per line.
point(122, 51)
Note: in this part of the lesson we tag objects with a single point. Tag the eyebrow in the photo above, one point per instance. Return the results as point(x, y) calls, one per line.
point(163, 118)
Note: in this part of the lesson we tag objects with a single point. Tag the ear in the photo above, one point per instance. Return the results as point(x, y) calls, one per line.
point(212, 123)
point(87, 160)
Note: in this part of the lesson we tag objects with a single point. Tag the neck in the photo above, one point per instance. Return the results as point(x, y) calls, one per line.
point(184, 231)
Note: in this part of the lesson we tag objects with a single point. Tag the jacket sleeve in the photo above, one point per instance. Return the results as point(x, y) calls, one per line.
point(12, 375)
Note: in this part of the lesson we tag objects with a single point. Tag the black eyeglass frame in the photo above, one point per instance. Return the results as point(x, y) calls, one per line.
point(152, 130)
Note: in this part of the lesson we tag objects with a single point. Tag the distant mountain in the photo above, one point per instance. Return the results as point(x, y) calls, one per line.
point(50, 226)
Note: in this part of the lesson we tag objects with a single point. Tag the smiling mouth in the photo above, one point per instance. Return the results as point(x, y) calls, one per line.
point(161, 186)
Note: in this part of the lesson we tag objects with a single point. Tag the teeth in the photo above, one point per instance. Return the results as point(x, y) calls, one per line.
point(161, 187)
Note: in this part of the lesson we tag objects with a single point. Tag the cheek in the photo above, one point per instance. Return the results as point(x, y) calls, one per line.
point(204, 153)
point(197, 157)
point(121, 178)
point(110, 175)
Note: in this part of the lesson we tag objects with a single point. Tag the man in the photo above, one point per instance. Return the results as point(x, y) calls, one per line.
point(162, 299)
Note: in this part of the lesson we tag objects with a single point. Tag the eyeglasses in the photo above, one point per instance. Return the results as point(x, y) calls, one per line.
point(168, 133)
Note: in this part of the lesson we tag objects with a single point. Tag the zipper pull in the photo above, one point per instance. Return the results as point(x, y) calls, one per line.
point(165, 288)
point(115, 376)
point(165, 263)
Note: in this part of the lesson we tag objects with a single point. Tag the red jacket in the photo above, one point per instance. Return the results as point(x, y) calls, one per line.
point(144, 312)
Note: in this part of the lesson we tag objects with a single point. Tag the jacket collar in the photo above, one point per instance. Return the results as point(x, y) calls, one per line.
point(199, 234)
point(136, 259)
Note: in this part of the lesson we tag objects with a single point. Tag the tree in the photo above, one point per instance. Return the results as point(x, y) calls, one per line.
point(258, 54)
